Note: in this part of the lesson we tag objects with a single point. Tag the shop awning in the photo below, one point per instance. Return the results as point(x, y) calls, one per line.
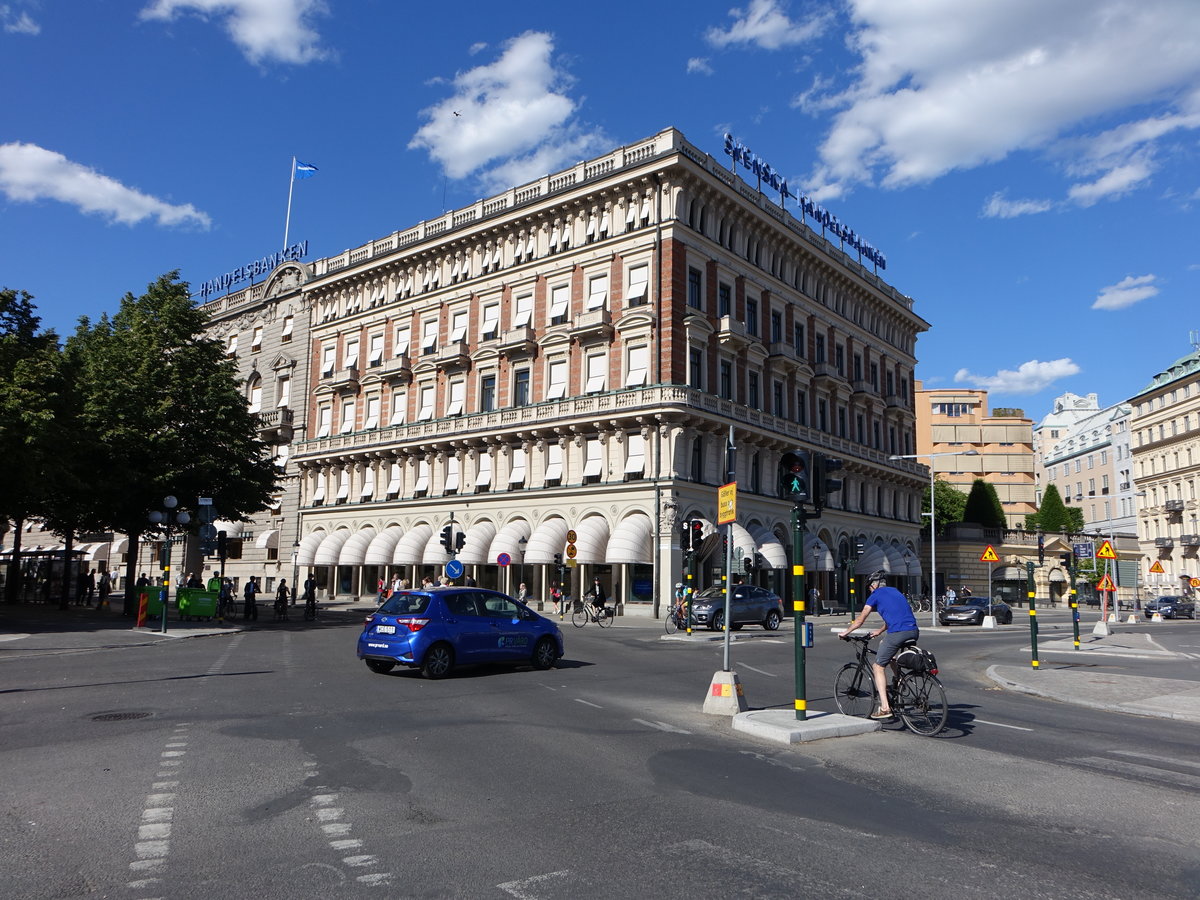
point(816, 555)
point(477, 544)
point(268, 538)
point(231, 529)
point(913, 563)
point(1057, 575)
point(549, 538)
point(631, 540)
point(308, 548)
point(1009, 573)
point(591, 540)
point(770, 547)
point(896, 560)
point(120, 545)
point(327, 554)
point(379, 551)
point(508, 540)
point(744, 543)
point(95, 551)
point(873, 559)
point(354, 551)
point(410, 549)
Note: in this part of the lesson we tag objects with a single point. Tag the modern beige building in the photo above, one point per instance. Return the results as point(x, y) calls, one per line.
point(953, 421)
point(1166, 466)
point(570, 358)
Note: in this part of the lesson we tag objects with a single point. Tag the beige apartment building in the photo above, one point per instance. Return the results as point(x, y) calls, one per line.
point(953, 421)
point(571, 358)
point(1166, 465)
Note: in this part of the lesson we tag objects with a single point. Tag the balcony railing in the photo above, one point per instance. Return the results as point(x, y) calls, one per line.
point(1173, 506)
point(1164, 543)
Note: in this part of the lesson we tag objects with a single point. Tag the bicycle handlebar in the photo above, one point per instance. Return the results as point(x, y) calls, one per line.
point(855, 637)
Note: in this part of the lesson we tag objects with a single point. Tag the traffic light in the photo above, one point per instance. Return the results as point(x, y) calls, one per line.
point(1067, 559)
point(1041, 549)
point(747, 565)
point(697, 534)
point(795, 473)
point(558, 560)
point(685, 536)
point(448, 538)
point(222, 545)
point(760, 561)
point(822, 484)
point(860, 546)
point(724, 547)
point(459, 540)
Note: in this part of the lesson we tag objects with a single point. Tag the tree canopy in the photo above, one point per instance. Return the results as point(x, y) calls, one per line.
point(984, 507)
point(950, 503)
point(1054, 515)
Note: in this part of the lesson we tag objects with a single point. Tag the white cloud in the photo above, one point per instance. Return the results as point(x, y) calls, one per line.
point(1126, 292)
point(765, 24)
point(29, 173)
point(264, 30)
point(508, 122)
point(1029, 378)
point(18, 21)
point(1000, 207)
point(699, 65)
point(938, 90)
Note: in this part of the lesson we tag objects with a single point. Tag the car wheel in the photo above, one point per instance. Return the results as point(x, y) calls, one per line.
point(772, 621)
point(718, 619)
point(545, 653)
point(1008, 618)
point(438, 661)
point(380, 666)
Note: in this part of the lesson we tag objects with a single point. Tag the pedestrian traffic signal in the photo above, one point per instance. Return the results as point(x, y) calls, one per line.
point(685, 536)
point(795, 473)
point(697, 534)
point(448, 538)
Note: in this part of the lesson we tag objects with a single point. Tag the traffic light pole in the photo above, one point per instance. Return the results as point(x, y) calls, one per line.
point(798, 606)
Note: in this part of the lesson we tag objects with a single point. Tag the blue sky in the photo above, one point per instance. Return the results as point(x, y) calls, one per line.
point(1028, 168)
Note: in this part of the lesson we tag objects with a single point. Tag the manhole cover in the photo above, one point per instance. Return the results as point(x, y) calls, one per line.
point(120, 717)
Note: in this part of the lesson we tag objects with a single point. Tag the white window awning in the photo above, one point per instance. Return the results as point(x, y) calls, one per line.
point(354, 551)
point(379, 551)
point(549, 538)
point(410, 549)
point(327, 554)
point(631, 541)
point(268, 539)
point(306, 555)
point(477, 544)
point(591, 540)
point(509, 540)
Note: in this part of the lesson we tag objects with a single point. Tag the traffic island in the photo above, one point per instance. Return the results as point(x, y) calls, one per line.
point(725, 697)
point(782, 727)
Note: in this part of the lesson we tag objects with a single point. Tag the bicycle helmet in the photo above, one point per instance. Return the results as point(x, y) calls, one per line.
point(879, 577)
point(679, 584)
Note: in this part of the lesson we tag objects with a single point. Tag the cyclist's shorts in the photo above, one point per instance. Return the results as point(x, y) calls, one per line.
point(890, 642)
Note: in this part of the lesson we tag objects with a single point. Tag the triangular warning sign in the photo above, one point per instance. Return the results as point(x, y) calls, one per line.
point(1106, 584)
point(1156, 568)
point(989, 555)
point(1106, 551)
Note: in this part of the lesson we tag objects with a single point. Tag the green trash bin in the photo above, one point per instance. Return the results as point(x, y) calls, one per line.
point(196, 603)
point(153, 600)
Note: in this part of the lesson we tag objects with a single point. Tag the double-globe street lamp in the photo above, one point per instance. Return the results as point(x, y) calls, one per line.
point(932, 520)
point(166, 518)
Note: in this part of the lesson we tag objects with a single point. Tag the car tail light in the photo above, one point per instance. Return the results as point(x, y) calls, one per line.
point(413, 625)
point(368, 620)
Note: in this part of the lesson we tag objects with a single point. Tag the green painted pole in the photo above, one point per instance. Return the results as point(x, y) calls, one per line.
point(1074, 600)
point(798, 602)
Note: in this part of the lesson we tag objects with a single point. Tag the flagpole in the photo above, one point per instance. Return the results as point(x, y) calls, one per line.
point(288, 222)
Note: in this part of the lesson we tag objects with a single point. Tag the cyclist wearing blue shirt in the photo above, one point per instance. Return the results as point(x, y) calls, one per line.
point(899, 624)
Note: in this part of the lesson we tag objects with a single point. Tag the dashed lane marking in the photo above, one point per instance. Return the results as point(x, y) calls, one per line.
point(759, 671)
point(589, 703)
point(153, 843)
point(662, 726)
point(1001, 725)
point(331, 817)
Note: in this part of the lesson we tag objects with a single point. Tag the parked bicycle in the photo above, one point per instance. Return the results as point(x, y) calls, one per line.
point(920, 604)
point(916, 694)
point(585, 611)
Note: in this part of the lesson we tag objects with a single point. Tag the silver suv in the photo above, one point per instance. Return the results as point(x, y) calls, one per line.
point(749, 605)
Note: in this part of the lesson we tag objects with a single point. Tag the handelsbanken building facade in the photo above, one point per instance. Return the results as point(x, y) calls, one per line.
point(571, 357)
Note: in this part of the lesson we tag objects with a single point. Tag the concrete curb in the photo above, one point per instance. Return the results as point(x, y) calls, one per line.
point(1164, 700)
point(782, 727)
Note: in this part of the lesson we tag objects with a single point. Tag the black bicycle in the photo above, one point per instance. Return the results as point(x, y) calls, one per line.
point(677, 617)
point(916, 694)
point(310, 608)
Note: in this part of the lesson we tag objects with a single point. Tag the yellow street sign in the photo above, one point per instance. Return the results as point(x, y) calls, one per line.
point(1106, 584)
point(1106, 551)
point(571, 551)
point(1156, 568)
point(989, 555)
point(727, 503)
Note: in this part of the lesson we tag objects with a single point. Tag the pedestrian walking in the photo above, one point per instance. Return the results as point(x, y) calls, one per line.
point(104, 588)
point(249, 592)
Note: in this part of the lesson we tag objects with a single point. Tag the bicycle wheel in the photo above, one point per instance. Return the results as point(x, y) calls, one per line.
point(605, 616)
point(672, 622)
point(854, 691)
point(579, 615)
point(921, 702)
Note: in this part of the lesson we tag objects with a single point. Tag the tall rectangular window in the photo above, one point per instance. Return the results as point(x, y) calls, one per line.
point(820, 348)
point(429, 336)
point(453, 475)
point(776, 327)
point(483, 472)
point(399, 407)
point(801, 408)
point(554, 464)
point(347, 425)
point(521, 387)
point(560, 303)
point(726, 370)
point(458, 397)
point(425, 410)
point(487, 393)
point(351, 353)
point(403, 339)
point(695, 289)
point(256, 338)
point(638, 291)
point(724, 300)
point(597, 373)
point(284, 392)
point(798, 340)
point(556, 380)
point(490, 326)
point(522, 311)
point(376, 352)
point(696, 368)
point(593, 463)
point(324, 421)
point(328, 360)
point(597, 292)
point(752, 317)
point(372, 419)
point(516, 474)
point(635, 455)
point(638, 366)
point(256, 398)
point(752, 398)
point(777, 399)
point(458, 326)
point(289, 326)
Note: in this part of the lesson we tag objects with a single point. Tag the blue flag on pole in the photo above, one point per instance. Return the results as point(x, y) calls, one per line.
point(304, 170)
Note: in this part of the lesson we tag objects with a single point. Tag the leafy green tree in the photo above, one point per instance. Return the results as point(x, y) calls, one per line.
point(950, 504)
point(29, 427)
point(983, 506)
point(1055, 516)
point(165, 415)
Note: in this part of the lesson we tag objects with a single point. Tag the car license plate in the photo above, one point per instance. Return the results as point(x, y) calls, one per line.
point(385, 629)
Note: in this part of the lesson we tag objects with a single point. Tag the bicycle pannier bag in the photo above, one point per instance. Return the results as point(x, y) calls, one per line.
point(917, 660)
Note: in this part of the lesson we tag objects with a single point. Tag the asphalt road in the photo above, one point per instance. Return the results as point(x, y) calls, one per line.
point(272, 764)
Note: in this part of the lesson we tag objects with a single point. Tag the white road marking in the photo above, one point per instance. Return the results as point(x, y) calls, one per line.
point(1162, 759)
point(587, 703)
point(153, 835)
point(1149, 772)
point(759, 671)
point(519, 890)
point(661, 726)
point(338, 832)
point(1001, 725)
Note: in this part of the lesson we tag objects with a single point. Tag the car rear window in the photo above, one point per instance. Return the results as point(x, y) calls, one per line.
point(404, 603)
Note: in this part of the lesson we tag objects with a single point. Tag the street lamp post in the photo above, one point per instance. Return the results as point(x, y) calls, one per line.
point(166, 518)
point(933, 521)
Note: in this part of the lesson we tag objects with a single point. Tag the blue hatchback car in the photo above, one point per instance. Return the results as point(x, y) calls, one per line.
point(437, 629)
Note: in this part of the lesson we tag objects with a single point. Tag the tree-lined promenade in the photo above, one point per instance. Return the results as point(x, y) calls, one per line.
point(97, 429)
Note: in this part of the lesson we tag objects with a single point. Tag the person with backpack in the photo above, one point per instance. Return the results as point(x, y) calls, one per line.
point(899, 626)
point(281, 600)
point(249, 592)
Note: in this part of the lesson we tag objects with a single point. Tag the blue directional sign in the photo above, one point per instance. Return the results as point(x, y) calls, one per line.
point(454, 568)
